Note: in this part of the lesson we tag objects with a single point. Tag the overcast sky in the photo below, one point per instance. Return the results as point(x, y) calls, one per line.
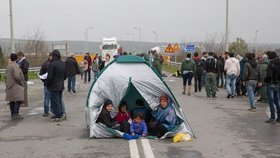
point(173, 20)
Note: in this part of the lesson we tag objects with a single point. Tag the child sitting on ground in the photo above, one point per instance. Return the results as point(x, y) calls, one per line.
point(138, 128)
point(140, 108)
point(123, 115)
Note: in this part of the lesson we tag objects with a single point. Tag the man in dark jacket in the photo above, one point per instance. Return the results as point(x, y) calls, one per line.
point(272, 81)
point(200, 66)
point(212, 69)
point(72, 69)
point(251, 76)
point(55, 84)
point(24, 66)
point(42, 75)
point(89, 60)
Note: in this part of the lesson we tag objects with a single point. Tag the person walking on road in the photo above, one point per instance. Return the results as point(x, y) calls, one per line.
point(211, 68)
point(95, 66)
point(199, 70)
point(43, 74)
point(263, 70)
point(24, 66)
point(187, 71)
point(55, 84)
point(72, 69)
point(14, 87)
point(89, 62)
point(252, 77)
point(232, 68)
point(272, 81)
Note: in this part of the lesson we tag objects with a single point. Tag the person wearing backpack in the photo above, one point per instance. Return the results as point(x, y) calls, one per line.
point(211, 68)
point(187, 71)
point(199, 66)
point(252, 77)
point(272, 81)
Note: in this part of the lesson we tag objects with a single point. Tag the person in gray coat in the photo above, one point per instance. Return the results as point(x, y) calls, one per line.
point(14, 87)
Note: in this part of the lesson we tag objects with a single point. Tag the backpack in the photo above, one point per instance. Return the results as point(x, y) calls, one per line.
point(211, 63)
point(276, 72)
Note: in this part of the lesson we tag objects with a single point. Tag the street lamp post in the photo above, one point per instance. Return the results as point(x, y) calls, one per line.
point(12, 29)
point(226, 38)
point(86, 34)
point(140, 32)
point(155, 35)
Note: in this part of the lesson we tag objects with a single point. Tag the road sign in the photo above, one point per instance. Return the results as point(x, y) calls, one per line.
point(189, 48)
point(176, 47)
point(169, 49)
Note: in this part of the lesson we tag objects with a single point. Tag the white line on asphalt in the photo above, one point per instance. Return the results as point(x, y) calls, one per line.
point(147, 148)
point(133, 149)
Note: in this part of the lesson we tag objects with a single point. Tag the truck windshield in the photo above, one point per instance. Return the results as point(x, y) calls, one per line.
point(109, 47)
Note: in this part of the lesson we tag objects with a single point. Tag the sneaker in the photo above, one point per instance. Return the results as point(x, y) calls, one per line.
point(228, 96)
point(232, 96)
point(74, 91)
point(271, 120)
point(189, 94)
point(278, 119)
point(252, 109)
point(17, 116)
point(184, 93)
point(46, 115)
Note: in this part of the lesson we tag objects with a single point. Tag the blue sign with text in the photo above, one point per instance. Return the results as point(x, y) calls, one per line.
point(189, 48)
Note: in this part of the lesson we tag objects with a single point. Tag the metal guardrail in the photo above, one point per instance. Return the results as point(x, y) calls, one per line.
point(172, 63)
point(31, 69)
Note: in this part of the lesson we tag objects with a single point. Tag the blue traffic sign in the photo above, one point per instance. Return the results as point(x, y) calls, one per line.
point(189, 48)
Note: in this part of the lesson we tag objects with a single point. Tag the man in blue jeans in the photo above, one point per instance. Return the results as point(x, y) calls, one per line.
point(232, 69)
point(42, 75)
point(272, 81)
point(72, 69)
point(55, 84)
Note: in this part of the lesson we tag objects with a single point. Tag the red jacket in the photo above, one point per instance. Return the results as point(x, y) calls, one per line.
point(122, 117)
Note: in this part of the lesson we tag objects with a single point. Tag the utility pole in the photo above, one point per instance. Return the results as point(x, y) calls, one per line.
point(226, 40)
point(155, 35)
point(140, 32)
point(12, 29)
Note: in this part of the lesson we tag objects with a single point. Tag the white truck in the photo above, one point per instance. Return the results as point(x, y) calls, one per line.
point(109, 46)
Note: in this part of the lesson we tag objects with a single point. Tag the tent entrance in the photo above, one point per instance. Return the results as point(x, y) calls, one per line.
point(132, 94)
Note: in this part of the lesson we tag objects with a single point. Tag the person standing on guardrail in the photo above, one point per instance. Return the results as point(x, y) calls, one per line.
point(24, 66)
point(72, 69)
point(43, 71)
point(55, 84)
point(89, 61)
point(14, 87)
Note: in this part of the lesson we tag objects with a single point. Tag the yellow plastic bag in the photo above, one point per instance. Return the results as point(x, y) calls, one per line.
point(182, 137)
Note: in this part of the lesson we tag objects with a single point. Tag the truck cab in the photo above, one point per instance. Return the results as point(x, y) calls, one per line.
point(109, 45)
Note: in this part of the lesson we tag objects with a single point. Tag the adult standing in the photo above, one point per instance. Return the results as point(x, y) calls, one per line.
point(199, 66)
point(187, 71)
point(72, 69)
point(272, 81)
point(263, 70)
point(241, 89)
point(251, 76)
point(89, 61)
point(43, 74)
point(95, 66)
point(24, 66)
point(14, 87)
point(211, 68)
point(55, 84)
point(232, 68)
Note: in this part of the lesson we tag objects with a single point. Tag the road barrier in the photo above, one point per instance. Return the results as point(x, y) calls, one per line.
point(31, 69)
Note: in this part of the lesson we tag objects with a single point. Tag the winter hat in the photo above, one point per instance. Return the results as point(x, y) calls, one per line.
point(107, 102)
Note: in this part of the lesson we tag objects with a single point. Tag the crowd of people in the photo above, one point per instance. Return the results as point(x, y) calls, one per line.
point(245, 76)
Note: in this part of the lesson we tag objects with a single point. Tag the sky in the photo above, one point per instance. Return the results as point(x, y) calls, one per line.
point(172, 20)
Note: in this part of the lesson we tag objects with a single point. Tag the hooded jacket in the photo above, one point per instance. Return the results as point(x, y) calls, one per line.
point(251, 71)
point(56, 73)
point(72, 66)
point(232, 66)
point(273, 72)
point(188, 65)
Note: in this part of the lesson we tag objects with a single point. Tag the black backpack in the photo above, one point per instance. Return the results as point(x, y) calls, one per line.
point(276, 72)
point(211, 63)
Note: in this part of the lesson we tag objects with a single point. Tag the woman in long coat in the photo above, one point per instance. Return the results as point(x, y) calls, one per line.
point(14, 87)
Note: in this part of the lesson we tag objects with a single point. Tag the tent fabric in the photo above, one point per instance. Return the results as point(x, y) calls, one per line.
point(128, 74)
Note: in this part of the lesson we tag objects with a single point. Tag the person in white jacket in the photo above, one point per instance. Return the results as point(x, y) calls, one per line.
point(232, 67)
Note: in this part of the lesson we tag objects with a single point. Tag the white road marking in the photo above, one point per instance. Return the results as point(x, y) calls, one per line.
point(147, 148)
point(133, 149)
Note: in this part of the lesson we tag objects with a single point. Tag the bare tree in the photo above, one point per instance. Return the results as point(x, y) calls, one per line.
point(35, 47)
point(214, 44)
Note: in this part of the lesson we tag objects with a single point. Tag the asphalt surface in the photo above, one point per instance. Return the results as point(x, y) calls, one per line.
point(224, 128)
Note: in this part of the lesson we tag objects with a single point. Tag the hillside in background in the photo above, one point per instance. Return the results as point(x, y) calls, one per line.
point(129, 46)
